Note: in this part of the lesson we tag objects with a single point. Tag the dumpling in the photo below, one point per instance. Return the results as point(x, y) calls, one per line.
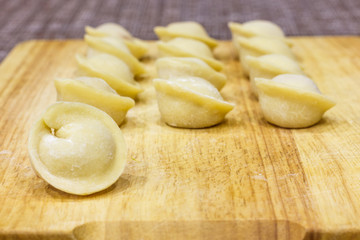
point(111, 69)
point(185, 47)
point(269, 66)
point(258, 46)
point(77, 148)
point(187, 29)
point(259, 28)
point(95, 92)
point(173, 67)
point(117, 48)
point(136, 46)
point(292, 101)
point(190, 102)
point(254, 28)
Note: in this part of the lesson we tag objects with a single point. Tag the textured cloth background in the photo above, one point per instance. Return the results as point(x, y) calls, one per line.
point(22, 20)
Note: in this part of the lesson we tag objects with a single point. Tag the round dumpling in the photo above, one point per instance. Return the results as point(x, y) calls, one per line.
point(77, 148)
point(136, 46)
point(184, 47)
point(187, 29)
point(269, 66)
point(291, 101)
point(111, 69)
point(95, 92)
point(190, 102)
point(258, 46)
point(117, 48)
point(174, 67)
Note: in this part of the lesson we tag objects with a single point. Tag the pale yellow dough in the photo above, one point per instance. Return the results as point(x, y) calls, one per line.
point(117, 48)
point(77, 148)
point(174, 67)
point(184, 47)
point(254, 28)
point(136, 46)
point(95, 92)
point(292, 101)
point(258, 46)
point(190, 102)
point(187, 29)
point(269, 66)
point(111, 69)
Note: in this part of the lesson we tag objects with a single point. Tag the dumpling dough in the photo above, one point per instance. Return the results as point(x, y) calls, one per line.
point(95, 92)
point(291, 101)
point(258, 46)
point(117, 48)
point(269, 66)
point(254, 28)
point(111, 69)
point(136, 46)
point(190, 102)
point(188, 29)
point(77, 148)
point(173, 67)
point(184, 47)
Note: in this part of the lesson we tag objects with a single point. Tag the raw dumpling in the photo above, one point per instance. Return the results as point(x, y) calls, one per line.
point(189, 29)
point(117, 48)
point(77, 148)
point(190, 102)
point(184, 47)
point(137, 47)
point(269, 66)
point(254, 28)
point(95, 92)
point(291, 101)
point(173, 67)
point(111, 69)
point(258, 46)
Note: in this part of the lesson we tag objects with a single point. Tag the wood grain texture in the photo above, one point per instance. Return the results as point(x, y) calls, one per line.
point(242, 179)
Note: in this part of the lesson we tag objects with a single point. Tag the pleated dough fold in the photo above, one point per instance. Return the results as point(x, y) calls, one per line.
point(117, 48)
point(183, 47)
point(136, 46)
point(111, 69)
point(258, 46)
point(269, 66)
point(95, 92)
point(254, 28)
point(174, 67)
point(187, 29)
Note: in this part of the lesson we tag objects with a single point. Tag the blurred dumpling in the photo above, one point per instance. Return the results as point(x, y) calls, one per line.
point(136, 46)
point(111, 69)
point(173, 67)
point(190, 102)
point(185, 47)
point(77, 148)
point(292, 101)
point(95, 92)
point(117, 48)
point(109, 29)
point(258, 46)
point(269, 66)
point(187, 29)
point(254, 28)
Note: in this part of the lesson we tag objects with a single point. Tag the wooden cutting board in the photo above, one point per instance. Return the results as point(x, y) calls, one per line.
point(242, 179)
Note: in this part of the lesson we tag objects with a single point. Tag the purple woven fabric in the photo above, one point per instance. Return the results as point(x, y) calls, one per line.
point(22, 20)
